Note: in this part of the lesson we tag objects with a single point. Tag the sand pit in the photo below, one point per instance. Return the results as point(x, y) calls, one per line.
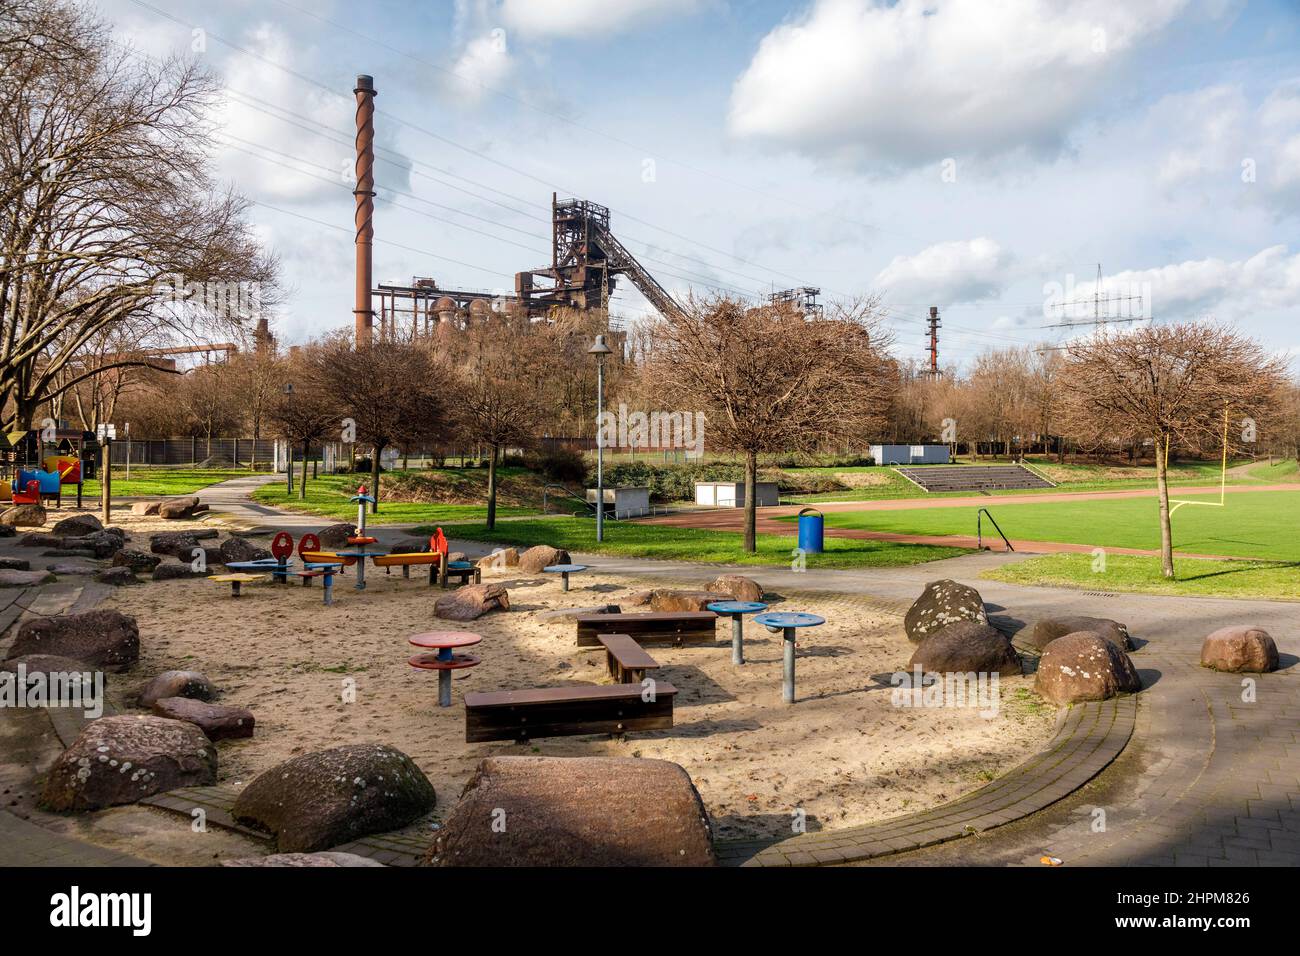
point(317, 677)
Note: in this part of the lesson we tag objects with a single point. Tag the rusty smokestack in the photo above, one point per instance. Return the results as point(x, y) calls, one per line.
point(365, 208)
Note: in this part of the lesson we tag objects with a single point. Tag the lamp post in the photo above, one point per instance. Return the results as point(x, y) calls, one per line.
point(600, 350)
point(288, 448)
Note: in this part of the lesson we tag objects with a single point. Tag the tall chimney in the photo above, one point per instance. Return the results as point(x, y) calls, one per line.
point(365, 211)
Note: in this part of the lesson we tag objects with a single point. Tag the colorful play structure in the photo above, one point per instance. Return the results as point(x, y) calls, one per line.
point(34, 470)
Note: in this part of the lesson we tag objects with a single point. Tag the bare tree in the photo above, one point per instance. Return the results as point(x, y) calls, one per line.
point(111, 210)
point(1176, 384)
point(393, 392)
point(769, 379)
point(309, 411)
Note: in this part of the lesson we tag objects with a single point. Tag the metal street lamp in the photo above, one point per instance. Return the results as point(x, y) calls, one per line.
point(600, 350)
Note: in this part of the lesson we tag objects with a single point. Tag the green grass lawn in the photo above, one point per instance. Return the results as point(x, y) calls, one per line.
point(691, 544)
point(328, 496)
point(145, 481)
point(1196, 577)
point(1263, 524)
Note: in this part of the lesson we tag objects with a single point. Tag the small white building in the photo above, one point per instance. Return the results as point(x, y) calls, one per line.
point(731, 494)
point(930, 453)
point(629, 502)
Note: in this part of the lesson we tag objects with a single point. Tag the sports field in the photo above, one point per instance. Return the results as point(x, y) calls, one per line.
point(1264, 524)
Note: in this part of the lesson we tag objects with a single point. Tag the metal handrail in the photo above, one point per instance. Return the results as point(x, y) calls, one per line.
point(979, 529)
point(1034, 471)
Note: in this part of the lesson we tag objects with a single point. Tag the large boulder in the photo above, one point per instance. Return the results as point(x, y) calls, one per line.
point(1240, 648)
point(24, 516)
point(99, 544)
point(940, 604)
point(39, 539)
point(176, 508)
point(179, 544)
point(77, 525)
point(965, 647)
point(472, 601)
point(143, 508)
point(325, 859)
point(7, 531)
point(191, 684)
point(171, 570)
point(101, 638)
point(15, 564)
point(542, 556)
point(236, 548)
point(670, 599)
point(116, 577)
point(322, 799)
point(78, 678)
point(120, 760)
point(25, 579)
point(739, 587)
point(336, 535)
point(576, 811)
point(1049, 629)
point(141, 561)
point(499, 559)
point(1084, 666)
point(217, 721)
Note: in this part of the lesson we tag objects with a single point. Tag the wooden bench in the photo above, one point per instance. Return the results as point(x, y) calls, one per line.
point(407, 560)
point(565, 711)
point(657, 627)
point(473, 571)
point(626, 660)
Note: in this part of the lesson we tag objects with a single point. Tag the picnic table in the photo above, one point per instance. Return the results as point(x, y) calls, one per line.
point(444, 661)
point(736, 610)
point(787, 622)
point(361, 555)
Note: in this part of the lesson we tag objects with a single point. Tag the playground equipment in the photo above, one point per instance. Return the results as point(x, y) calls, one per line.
point(362, 499)
point(235, 580)
point(564, 570)
point(736, 610)
point(444, 661)
point(785, 623)
point(979, 529)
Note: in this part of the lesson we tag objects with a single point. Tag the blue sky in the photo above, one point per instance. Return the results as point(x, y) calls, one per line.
point(976, 155)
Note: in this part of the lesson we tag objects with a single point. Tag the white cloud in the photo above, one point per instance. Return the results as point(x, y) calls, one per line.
point(484, 64)
point(587, 18)
point(965, 270)
point(865, 83)
point(1232, 290)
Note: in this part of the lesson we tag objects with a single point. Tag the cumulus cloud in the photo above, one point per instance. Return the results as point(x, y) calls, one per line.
point(867, 83)
point(586, 18)
point(964, 270)
point(1233, 290)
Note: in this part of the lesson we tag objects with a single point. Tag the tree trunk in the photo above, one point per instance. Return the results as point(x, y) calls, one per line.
point(302, 489)
point(492, 490)
point(1166, 530)
point(374, 477)
point(751, 501)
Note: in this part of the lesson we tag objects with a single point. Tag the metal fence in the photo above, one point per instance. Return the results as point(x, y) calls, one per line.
point(218, 452)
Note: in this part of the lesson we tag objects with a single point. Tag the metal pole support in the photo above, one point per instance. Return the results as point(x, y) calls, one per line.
point(444, 688)
point(787, 680)
point(737, 639)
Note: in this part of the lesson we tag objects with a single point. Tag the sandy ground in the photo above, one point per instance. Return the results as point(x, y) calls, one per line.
point(317, 677)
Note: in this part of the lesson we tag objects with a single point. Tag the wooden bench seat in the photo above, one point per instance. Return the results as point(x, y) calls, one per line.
point(656, 627)
point(565, 711)
point(626, 659)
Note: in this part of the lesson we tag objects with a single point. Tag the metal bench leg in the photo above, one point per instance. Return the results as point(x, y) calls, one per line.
point(737, 639)
point(444, 688)
point(329, 589)
point(234, 588)
point(406, 571)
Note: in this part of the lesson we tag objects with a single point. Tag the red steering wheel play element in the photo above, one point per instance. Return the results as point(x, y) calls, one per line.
point(282, 545)
point(308, 543)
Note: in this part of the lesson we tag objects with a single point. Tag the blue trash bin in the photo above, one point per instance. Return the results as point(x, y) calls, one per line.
point(810, 531)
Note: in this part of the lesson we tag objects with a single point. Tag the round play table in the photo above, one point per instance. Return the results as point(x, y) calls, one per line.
point(564, 570)
point(736, 610)
point(787, 622)
point(361, 555)
point(444, 661)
